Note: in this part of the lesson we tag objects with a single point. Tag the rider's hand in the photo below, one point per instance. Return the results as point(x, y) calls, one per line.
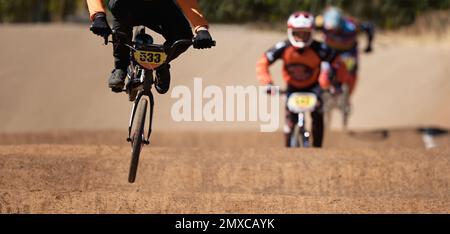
point(368, 50)
point(100, 25)
point(203, 39)
point(270, 89)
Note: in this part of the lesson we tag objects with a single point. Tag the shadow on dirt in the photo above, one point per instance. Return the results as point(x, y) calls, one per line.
point(374, 135)
point(433, 131)
point(383, 134)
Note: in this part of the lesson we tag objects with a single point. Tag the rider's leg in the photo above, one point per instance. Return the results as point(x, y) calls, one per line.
point(353, 71)
point(168, 20)
point(291, 119)
point(174, 26)
point(354, 77)
point(318, 123)
point(318, 128)
point(122, 24)
point(289, 126)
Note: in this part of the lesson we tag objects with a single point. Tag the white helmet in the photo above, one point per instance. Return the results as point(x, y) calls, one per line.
point(300, 29)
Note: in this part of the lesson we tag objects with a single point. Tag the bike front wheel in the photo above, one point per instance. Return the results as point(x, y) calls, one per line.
point(137, 138)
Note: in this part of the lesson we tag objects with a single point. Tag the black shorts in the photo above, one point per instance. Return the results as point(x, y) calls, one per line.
point(162, 16)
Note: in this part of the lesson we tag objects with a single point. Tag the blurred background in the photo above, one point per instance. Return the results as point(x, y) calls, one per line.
point(385, 13)
point(55, 70)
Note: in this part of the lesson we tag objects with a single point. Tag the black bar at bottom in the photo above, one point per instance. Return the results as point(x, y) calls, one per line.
point(226, 223)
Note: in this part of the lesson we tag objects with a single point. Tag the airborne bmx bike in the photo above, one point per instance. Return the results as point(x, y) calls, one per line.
point(145, 57)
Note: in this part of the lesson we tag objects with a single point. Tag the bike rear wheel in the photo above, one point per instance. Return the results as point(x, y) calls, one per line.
point(137, 138)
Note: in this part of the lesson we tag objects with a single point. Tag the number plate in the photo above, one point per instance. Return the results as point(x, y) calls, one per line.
point(302, 102)
point(150, 59)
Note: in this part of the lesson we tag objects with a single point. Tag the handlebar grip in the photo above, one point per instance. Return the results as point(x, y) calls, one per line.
point(276, 90)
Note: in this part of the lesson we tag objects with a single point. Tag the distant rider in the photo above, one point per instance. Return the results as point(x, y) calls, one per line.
point(302, 57)
point(341, 34)
point(171, 18)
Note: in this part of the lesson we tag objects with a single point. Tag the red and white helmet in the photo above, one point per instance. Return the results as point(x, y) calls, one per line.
point(300, 29)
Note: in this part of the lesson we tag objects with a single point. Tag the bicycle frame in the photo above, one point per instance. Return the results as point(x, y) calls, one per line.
point(304, 134)
point(146, 82)
point(139, 86)
point(145, 92)
point(302, 129)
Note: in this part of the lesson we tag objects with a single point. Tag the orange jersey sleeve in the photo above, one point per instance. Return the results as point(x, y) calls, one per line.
point(95, 6)
point(262, 71)
point(324, 77)
point(191, 11)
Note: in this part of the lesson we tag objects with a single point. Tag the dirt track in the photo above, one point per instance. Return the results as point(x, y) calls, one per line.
point(62, 147)
point(65, 178)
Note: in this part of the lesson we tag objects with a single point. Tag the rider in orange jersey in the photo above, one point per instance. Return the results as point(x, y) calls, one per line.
point(303, 58)
point(171, 18)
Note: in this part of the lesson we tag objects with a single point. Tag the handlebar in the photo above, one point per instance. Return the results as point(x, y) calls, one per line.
point(275, 90)
point(169, 52)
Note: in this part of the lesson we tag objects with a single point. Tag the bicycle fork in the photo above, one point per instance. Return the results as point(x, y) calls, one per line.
point(305, 135)
point(133, 113)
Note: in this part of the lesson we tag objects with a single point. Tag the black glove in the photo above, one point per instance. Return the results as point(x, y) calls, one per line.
point(203, 40)
point(100, 25)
